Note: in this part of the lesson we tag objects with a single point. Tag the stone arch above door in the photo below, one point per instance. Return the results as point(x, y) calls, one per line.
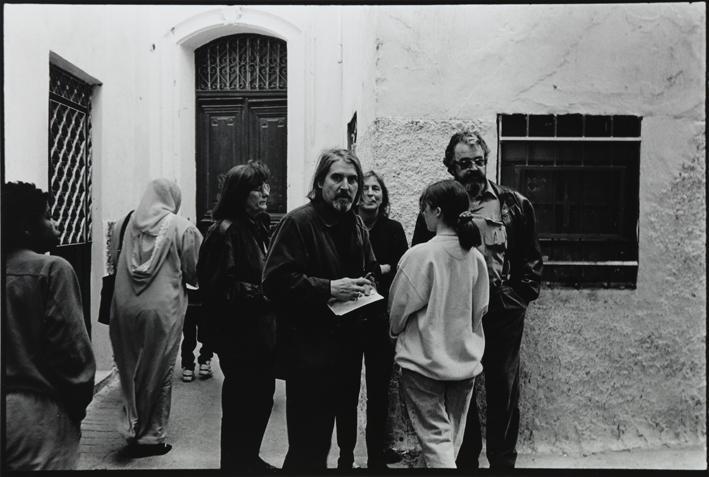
point(178, 66)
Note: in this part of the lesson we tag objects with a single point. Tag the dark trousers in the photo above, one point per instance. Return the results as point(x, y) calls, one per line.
point(247, 399)
point(193, 319)
point(310, 416)
point(371, 339)
point(503, 326)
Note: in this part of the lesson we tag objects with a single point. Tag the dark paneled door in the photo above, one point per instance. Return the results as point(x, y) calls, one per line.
point(231, 130)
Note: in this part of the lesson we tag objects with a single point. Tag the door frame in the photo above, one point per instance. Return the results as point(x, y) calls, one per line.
point(195, 31)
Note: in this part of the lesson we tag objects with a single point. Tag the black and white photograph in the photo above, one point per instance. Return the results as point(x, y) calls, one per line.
point(252, 239)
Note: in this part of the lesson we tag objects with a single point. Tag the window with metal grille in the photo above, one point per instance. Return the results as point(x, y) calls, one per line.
point(242, 62)
point(70, 173)
point(70, 155)
point(581, 173)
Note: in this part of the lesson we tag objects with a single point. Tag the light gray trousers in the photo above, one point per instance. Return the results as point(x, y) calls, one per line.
point(438, 412)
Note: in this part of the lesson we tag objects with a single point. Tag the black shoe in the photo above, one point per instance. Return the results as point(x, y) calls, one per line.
point(467, 465)
point(346, 463)
point(390, 456)
point(263, 466)
point(139, 450)
point(377, 465)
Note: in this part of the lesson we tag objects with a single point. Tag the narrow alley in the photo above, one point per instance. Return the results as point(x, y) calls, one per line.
point(194, 434)
point(193, 429)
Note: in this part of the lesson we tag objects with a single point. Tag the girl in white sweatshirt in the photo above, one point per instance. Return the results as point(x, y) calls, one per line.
point(436, 304)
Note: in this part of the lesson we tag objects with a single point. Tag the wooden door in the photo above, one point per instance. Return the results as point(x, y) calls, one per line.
point(231, 130)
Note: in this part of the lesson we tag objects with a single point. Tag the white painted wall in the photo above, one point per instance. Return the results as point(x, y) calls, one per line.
point(144, 109)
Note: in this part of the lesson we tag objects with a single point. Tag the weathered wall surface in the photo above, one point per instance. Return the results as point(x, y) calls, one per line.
point(601, 369)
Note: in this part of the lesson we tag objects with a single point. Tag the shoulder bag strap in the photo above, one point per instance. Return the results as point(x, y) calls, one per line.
point(123, 232)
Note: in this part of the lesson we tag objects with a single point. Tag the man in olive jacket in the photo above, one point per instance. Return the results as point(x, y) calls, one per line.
point(514, 261)
point(320, 252)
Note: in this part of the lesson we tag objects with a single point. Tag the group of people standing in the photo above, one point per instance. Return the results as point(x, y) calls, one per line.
point(453, 307)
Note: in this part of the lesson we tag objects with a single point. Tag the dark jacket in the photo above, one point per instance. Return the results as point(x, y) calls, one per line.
point(389, 244)
point(47, 348)
point(237, 317)
point(301, 262)
point(523, 252)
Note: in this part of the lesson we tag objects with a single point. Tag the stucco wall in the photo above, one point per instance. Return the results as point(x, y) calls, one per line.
point(601, 369)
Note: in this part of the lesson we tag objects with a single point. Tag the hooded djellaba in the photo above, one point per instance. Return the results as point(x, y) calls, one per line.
point(158, 257)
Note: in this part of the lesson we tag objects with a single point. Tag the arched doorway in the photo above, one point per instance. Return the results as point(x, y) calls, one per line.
point(241, 87)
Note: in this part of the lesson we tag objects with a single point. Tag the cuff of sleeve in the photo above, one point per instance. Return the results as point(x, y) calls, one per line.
point(322, 285)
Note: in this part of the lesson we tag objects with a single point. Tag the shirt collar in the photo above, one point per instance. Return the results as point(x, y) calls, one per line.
point(489, 189)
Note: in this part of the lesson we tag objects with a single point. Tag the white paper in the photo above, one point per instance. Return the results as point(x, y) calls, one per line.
point(343, 307)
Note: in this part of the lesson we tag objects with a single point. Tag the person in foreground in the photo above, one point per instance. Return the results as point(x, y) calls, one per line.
point(372, 339)
point(238, 321)
point(506, 222)
point(320, 252)
point(49, 364)
point(436, 304)
point(158, 257)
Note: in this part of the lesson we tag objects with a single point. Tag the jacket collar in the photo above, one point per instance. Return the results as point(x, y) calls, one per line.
point(327, 215)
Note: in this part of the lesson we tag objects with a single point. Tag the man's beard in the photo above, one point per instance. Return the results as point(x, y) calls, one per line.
point(473, 181)
point(342, 204)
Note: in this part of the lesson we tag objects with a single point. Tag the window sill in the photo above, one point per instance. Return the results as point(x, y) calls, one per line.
point(586, 274)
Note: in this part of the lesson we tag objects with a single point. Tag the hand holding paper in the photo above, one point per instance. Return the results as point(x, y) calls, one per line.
point(340, 308)
point(346, 289)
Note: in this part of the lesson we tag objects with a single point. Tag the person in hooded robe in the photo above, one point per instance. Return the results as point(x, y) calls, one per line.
point(158, 257)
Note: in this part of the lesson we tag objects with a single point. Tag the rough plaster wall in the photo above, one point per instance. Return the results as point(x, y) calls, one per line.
point(540, 58)
point(601, 369)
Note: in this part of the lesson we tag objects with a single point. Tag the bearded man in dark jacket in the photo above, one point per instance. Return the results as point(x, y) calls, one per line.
point(506, 222)
point(320, 253)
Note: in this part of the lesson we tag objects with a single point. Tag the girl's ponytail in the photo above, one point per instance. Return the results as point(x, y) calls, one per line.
point(468, 233)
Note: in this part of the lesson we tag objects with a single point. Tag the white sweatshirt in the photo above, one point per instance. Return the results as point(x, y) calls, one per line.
point(436, 304)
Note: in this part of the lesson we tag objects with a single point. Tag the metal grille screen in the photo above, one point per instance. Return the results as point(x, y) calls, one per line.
point(70, 155)
point(243, 62)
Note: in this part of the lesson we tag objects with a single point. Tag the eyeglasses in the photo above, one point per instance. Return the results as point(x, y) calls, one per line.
point(468, 162)
point(263, 188)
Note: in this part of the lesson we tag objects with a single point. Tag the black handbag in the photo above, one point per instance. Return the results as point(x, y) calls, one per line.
point(109, 281)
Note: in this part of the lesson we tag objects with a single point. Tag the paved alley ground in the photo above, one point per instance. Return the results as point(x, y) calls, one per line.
point(194, 434)
point(193, 429)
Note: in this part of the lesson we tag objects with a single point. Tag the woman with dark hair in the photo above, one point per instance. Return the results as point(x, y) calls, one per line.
point(49, 364)
point(389, 244)
point(436, 304)
point(240, 325)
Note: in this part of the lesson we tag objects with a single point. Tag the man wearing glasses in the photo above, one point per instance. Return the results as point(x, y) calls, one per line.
point(514, 262)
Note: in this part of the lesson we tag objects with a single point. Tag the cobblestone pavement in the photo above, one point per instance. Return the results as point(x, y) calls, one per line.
point(194, 434)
